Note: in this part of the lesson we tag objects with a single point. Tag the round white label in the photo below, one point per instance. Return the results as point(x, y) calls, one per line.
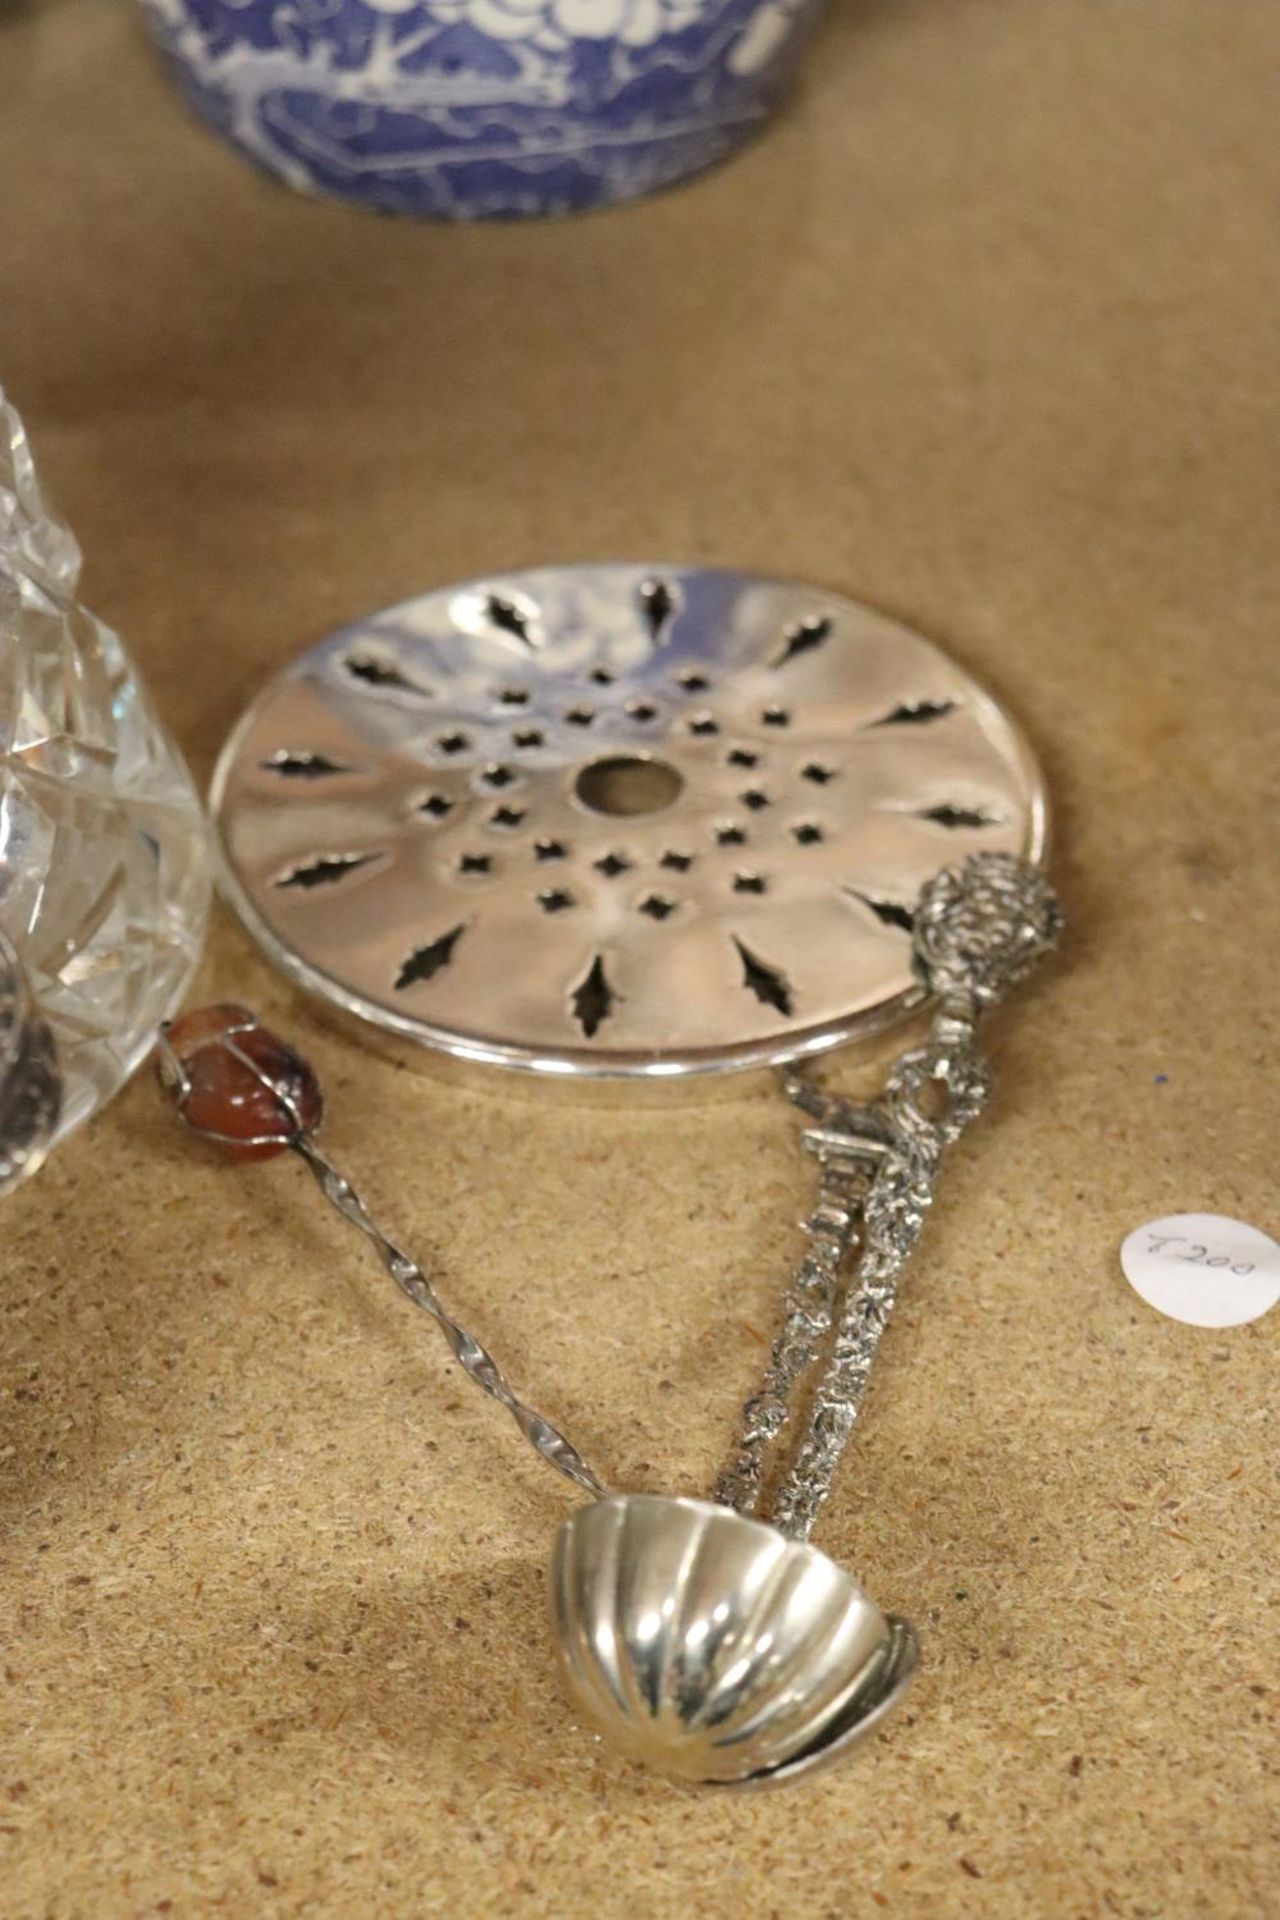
point(1203, 1269)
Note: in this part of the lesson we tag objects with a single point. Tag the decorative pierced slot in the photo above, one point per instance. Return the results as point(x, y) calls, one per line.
point(593, 999)
point(380, 670)
point(804, 637)
point(890, 913)
point(658, 603)
point(324, 870)
point(956, 817)
point(302, 765)
point(769, 984)
point(508, 617)
point(424, 963)
point(916, 713)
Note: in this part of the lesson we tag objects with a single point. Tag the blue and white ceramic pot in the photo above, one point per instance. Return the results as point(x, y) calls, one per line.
point(468, 109)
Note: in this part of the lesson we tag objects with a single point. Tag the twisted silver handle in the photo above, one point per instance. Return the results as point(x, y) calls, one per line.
point(476, 1361)
point(239, 1086)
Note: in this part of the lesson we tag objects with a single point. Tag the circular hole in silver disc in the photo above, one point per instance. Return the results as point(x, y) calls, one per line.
point(623, 785)
point(621, 822)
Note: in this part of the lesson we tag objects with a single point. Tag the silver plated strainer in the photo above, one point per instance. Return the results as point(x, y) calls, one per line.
point(615, 822)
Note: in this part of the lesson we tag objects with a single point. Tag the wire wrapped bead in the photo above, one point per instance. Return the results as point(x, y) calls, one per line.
point(238, 1084)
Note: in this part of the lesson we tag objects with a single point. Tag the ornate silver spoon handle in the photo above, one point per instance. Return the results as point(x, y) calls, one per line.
point(809, 1308)
point(894, 1215)
point(235, 1083)
point(978, 929)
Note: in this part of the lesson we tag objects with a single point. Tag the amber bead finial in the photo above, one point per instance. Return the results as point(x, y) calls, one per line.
point(237, 1083)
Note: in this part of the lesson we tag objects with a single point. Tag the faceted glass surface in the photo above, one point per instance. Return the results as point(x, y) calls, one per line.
point(104, 873)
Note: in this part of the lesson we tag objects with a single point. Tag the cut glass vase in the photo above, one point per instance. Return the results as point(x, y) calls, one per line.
point(104, 870)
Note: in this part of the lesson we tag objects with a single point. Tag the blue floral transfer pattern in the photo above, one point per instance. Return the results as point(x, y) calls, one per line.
point(472, 109)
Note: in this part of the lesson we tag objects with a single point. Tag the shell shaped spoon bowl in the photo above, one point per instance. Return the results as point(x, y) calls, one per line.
point(709, 1646)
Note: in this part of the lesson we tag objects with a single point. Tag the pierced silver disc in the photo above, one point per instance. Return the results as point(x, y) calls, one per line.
point(615, 822)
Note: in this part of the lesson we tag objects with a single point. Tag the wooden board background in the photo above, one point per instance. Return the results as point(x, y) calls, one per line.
point(983, 331)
